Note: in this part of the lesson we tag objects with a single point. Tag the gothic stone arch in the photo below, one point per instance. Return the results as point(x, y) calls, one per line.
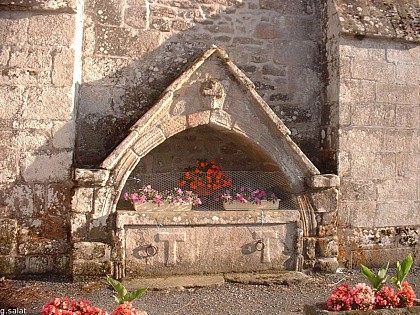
point(213, 92)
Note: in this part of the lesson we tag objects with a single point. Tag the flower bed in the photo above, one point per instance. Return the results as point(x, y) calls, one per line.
point(321, 309)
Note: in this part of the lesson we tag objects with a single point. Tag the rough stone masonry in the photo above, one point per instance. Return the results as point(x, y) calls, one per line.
point(75, 75)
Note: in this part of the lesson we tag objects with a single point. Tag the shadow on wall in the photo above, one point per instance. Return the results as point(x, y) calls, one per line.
point(132, 53)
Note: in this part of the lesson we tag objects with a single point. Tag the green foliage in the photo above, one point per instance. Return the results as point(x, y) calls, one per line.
point(402, 270)
point(377, 281)
point(123, 294)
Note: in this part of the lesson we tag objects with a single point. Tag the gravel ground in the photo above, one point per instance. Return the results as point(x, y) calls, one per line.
point(229, 298)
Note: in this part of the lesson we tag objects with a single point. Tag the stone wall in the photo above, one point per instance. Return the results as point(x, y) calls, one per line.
point(37, 124)
point(379, 158)
point(343, 78)
point(134, 49)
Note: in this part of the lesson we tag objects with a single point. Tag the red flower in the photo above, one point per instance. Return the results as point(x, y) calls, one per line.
point(386, 298)
point(406, 295)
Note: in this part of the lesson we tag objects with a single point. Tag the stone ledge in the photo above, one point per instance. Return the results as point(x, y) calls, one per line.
point(196, 218)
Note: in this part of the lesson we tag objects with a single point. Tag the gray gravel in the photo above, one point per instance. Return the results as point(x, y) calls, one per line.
point(229, 298)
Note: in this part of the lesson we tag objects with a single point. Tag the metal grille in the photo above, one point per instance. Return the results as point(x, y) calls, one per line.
point(271, 182)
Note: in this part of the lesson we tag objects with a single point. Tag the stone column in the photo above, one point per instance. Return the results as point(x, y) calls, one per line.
point(323, 196)
point(91, 249)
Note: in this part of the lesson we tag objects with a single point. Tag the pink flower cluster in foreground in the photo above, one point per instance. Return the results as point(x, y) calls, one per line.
point(65, 306)
point(362, 297)
point(69, 307)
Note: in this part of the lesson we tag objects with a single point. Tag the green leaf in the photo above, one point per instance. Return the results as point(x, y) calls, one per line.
point(367, 272)
point(406, 266)
point(118, 287)
point(382, 272)
point(135, 294)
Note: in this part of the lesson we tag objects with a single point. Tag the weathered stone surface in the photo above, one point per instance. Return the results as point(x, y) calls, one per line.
point(323, 181)
point(8, 236)
point(326, 264)
point(91, 177)
point(325, 200)
point(327, 247)
point(44, 247)
point(91, 251)
point(40, 5)
point(60, 30)
point(62, 73)
point(34, 167)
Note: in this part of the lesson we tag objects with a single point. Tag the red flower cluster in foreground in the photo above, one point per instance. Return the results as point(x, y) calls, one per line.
point(364, 298)
point(65, 306)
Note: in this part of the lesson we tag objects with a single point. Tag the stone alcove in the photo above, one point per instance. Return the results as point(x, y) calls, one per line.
point(212, 96)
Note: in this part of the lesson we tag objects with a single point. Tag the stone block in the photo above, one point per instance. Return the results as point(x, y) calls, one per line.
point(121, 42)
point(61, 264)
point(299, 53)
point(267, 31)
point(94, 251)
point(361, 213)
point(13, 31)
point(37, 264)
point(377, 257)
point(400, 213)
point(136, 16)
point(106, 11)
point(397, 189)
point(197, 119)
point(33, 167)
point(41, 247)
point(328, 218)
point(408, 54)
point(373, 114)
point(323, 181)
point(78, 227)
point(91, 177)
point(7, 265)
point(407, 116)
point(327, 247)
point(357, 190)
point(373, 165)
point(42, 104)
point(62, 72)
point(355, 139)
point(82, 201)
point(81, 268)
point(149, 140)
point(8, 236)
point(408, 165)
point(60, 29)
point(373, 70)
point(325, 200)
point(14, 97)
point(309, 248)
point(326, 264)
point(408, 73)
point(398, 140)
point(399, 94)
point(63, 134)
point(31, 57)
point(327, 230)
point(361, 90)
point(364, 51)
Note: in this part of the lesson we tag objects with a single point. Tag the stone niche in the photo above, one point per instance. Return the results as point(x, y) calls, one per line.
point(211, 111)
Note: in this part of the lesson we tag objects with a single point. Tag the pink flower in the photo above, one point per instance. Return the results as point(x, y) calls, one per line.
point(363, 297)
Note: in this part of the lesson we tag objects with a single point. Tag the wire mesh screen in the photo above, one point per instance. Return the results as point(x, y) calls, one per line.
point(237, 182)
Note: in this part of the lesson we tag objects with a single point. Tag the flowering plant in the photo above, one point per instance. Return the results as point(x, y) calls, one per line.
point(205, 174)
point(177, 196)
point(362, 297)
point(65, 306)
point(248, 194)
point(340, 299)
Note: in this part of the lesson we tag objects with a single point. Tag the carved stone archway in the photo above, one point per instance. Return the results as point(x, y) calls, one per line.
point(213, 92)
